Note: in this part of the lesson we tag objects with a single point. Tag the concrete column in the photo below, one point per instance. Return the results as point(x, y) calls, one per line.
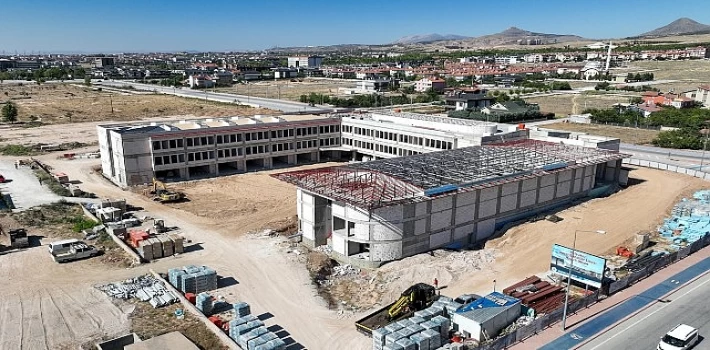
point(292, 159)
point(184, 173)
point(268, 162)
point(214, 169)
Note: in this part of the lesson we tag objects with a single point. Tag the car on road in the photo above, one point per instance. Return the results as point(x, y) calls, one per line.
point(681, 337)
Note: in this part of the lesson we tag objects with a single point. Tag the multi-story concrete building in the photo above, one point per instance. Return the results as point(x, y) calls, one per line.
point(104, 62)
point(134, 154)
point(386, 134)
point(374, 212)
point(305, 61)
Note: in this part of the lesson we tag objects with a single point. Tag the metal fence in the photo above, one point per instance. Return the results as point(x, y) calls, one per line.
point(543, 322)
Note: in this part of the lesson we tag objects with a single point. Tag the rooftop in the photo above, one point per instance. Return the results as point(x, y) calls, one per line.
point(206, 123)
point(415, 178)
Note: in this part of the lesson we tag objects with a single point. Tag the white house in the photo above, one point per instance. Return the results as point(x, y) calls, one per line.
point(200, 81)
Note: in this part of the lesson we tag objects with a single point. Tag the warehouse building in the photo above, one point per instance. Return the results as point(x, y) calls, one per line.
point(133, 154)
point(373, 212)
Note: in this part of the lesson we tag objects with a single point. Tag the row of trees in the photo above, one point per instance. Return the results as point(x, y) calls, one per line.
point(41, 74)
point(529, 112)
point(631, 77)
point(365, 101)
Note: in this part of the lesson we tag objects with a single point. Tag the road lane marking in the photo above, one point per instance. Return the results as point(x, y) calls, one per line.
point(649, 315)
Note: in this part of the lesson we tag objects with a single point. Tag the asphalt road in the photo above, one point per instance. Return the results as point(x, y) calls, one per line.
point(688, 305)
point(649, 299)
point(270, 103)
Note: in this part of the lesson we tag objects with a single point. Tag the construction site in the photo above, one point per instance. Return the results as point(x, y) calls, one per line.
point(375, 212)
point(345, 243)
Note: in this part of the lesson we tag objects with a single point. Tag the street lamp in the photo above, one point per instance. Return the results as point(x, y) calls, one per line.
point(569, 272)
point(705, 132)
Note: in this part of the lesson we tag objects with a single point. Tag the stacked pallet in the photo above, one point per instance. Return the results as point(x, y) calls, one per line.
point(193, 279)
point(204, 303)
point(412, 333)
point(250, 333)
point(151, 248)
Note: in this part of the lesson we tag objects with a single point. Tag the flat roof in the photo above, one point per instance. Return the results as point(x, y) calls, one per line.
point(207, 123)
point(168, 341)
point(419, 177)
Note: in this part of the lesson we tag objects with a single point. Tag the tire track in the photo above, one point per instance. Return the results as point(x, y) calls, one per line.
point(59, 331)
point(33, 336)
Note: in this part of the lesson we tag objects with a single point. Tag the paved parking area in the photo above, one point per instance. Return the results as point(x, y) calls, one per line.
point(23, 187)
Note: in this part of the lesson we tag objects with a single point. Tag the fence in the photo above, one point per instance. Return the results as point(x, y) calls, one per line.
point(539, 324)
point(668, 167)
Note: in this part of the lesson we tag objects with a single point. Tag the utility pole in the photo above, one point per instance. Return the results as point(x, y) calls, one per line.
point(569, 273)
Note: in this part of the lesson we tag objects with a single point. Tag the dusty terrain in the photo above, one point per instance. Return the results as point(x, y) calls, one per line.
point(627, 135)
point(241, 203)
point(289, 90)
point(69, 103)
point(562, 105)
point(272, 277)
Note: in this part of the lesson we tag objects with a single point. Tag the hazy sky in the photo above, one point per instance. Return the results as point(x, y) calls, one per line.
point(221, 25)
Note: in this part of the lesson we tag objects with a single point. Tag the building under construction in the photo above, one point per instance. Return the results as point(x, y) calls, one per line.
point(374, 212)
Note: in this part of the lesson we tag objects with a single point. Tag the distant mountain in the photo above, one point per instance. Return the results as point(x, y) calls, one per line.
point(680, 26)
point(514, 35)
point(427, 38)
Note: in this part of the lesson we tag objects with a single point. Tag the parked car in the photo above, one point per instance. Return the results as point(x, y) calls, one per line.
point(681, 337)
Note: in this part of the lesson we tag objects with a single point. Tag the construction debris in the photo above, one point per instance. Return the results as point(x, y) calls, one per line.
point(144, 288)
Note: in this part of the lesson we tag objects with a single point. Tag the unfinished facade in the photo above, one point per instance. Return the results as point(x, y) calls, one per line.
point(374, 212)
point(134, 154)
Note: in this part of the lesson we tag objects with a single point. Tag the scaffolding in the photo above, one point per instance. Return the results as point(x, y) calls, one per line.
point(418, 177)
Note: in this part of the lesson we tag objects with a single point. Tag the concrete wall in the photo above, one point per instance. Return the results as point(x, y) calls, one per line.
point(461, 219)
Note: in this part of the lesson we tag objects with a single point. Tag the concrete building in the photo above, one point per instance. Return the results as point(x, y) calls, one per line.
point(386, 134)
point(469, 99)
point(305, 61)
point(103, 62)
point(423, 85)
point(370, 86)
point(135, 153)
point(374, 212)
point(701, 95)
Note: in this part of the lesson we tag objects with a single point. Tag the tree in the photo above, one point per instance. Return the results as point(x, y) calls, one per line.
point(9, 112)
point(87, 80)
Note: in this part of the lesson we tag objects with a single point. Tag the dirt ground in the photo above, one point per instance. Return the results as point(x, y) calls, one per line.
point(270, 273)
point(627, 135)
point(562, 105)
point(242, 203)
point(288, 90)
point(52, 102)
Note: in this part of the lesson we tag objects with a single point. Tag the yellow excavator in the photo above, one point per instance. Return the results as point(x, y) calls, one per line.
point(414, 298)
point(162, 194)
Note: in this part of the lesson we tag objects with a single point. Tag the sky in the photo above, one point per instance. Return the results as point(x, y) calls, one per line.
point(233, 25)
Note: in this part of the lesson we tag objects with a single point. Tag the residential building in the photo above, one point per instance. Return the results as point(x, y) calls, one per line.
point(591, 70)
point(132, 154)
point(425, 84)
point(508, 107)
point(200, 81)
point(305, 62)
point(469, 99)
point(284, 73)
point(507, 60)
point(669, 99)
point(701, 95)
point(223, 77)
point(371, 86)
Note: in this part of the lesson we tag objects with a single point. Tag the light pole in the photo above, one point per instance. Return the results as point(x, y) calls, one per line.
point(705, 132)
point(569, 272)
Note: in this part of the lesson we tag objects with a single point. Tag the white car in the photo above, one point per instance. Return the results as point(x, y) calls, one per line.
point(681, 337)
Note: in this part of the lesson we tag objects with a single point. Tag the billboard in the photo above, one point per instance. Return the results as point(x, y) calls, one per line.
point(587, 268)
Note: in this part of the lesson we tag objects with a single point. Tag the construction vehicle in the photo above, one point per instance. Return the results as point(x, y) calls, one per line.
point(415, 298)
point(75, 252)
point(162, 194)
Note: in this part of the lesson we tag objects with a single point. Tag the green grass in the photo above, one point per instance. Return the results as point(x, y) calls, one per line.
point(18, 150)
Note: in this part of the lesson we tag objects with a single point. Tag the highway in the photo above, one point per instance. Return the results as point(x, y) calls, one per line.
point(270, 103)
point(688, 305)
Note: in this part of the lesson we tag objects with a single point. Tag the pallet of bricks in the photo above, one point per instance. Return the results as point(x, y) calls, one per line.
point(428, 329)
point(193, 279)
point(151, 248)
point(250, 333)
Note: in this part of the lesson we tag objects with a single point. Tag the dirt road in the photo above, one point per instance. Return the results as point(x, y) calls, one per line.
point(266, 278)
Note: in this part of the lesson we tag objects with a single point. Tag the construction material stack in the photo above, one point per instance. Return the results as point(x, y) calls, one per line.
point(241, 309)
point(193, 279)
point(178, 245)
point(204, 303)
point(250, 333)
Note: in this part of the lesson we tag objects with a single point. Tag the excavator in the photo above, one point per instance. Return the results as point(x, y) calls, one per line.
point(162, 194)
point(414, 298)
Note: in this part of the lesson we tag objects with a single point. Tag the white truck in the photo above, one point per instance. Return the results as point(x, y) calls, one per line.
point(76, 251)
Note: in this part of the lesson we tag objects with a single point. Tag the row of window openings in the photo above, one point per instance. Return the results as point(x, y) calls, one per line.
point(414, 140)
point(379, 147)
point(254, 136)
